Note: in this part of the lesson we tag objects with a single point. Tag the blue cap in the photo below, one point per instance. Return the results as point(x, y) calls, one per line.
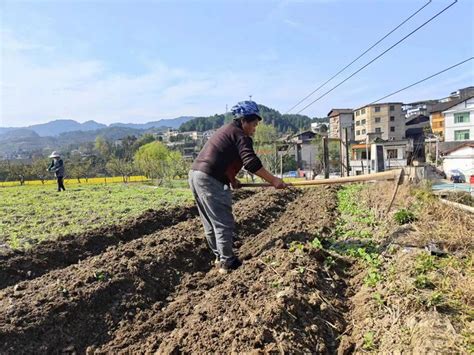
point(245, 108)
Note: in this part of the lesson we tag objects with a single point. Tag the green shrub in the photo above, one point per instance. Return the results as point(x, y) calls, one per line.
point(404, 216)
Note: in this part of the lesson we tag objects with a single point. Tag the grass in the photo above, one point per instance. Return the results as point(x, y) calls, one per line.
point(30, 214)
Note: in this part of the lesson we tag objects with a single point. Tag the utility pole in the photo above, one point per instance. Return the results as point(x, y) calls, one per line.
point(367, 153)
point(347, 152)
point(326, 157)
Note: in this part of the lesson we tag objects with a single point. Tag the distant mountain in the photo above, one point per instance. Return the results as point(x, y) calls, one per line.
point(26, 141)
point(57, 127)
point(165, 123)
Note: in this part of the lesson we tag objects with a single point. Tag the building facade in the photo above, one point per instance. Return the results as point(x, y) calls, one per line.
point(339, 120)
point(385, 119)
point(459, 121)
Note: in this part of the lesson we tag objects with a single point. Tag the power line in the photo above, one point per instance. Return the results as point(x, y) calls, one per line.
point(422, 80)
point(380, 55)
point(365, 52)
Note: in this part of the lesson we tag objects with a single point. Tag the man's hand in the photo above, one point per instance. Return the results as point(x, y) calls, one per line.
point(235, 184)
point(278, 183)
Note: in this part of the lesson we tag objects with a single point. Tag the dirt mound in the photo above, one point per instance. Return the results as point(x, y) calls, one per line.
point(50, 255)
point(83, 304)
point(17, 266)
point(281, 299)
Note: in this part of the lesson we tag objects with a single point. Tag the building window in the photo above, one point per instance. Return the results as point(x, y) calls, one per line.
point(363, 111)
point(392, 129)
point(392, 154)
point(461, 117)
point(363, 131)
point(461, 135)
point(357, 113)
point(378, 130)
point(392, 118)
point(377, 108)
point(377, 119)
point(392, 108)
point(357, 123)
point(362, 122)
point(363, 155)
point(357, 133)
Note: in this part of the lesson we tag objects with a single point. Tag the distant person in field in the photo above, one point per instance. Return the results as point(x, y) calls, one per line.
point(57, 167)
point(213, 174)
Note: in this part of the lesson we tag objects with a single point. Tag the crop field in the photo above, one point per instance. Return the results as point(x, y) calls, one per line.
point(82, 181)
point(326, 270)
point(33, 213)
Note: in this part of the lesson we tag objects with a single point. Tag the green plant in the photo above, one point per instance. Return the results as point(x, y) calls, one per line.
point(373, 277)
point(316, 243)
point(101, 275)
point(435, 299)
point(295, 245)
point(422, 281)
point(425, 263)
point(329, 262)
point(404, 216)
point(378, 298)
point(369, 341)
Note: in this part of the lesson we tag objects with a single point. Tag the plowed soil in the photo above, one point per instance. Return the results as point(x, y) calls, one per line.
point(155, 288)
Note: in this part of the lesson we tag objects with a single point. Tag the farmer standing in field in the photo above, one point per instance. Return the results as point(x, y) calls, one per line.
point(213, 174)
point(57, 166)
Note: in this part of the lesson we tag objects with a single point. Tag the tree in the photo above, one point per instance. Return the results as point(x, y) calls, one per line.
point(156, 161)
point(120, 167)
point(103, 147)
point(265, 146)
point(38, 169)
point(79, 167)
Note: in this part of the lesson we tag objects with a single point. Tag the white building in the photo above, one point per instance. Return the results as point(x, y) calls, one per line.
point(460, 158)
point(379, 156)
point(459, 121)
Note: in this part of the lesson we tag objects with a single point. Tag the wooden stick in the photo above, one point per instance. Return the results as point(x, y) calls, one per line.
point(386, 175)
point(399, 179)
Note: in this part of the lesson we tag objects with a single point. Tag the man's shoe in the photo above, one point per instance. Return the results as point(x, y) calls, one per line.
point(233, 265)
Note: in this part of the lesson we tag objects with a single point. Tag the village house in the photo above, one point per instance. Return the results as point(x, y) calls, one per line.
point(385, 119)
point(459, 121)
point(460, 158)
point(339, 120)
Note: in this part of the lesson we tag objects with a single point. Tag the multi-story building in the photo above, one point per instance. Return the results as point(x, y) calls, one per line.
point(387, 120)
point(415, 109)
point(437, 119)
point(459, 121)
point(339, 120)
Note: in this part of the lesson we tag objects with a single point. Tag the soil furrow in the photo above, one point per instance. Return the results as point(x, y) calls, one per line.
point(82, 304)
point(279, 300)
point(17, 266)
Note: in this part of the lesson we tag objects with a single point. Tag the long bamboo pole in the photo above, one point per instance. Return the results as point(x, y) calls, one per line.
point(386, 175)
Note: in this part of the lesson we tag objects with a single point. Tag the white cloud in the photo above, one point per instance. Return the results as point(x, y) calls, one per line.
point(33, 92)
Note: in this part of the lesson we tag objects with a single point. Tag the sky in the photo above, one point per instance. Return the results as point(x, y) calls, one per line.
point(139, 61)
